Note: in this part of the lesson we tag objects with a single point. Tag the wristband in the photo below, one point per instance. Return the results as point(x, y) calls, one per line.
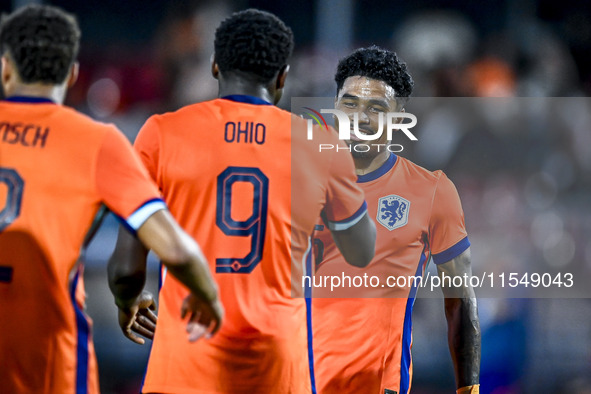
point(474, 389)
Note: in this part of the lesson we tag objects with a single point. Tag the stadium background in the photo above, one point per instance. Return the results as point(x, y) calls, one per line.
point(530, 203)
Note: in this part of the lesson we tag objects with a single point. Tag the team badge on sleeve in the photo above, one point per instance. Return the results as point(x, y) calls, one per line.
point(393, 211)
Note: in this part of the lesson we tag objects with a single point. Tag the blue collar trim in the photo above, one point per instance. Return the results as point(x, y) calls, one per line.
point(29, 99)
point(387, 166)
point(243, 98)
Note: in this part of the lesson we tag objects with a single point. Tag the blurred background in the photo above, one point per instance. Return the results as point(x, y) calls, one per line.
point(526, 191)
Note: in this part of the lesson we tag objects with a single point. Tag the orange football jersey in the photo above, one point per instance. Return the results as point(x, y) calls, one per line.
point(363, 335)
point(240, 176)
point(56, 167)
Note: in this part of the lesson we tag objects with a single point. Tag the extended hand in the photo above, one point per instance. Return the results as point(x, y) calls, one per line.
point(205, 317)
point(139, 318)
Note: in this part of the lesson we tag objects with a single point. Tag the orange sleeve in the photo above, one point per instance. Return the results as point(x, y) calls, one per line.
point(345, 201)
point(447, 231)
point(123, 183)
point(147, 145)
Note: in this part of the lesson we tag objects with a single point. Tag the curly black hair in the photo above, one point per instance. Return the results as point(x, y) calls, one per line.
point(43, 42)
point(254, 42)
point(376, 63)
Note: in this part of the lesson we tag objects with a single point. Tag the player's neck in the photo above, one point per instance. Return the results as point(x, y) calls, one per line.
point(366, 165)
point(241, 87)
point(55, 93)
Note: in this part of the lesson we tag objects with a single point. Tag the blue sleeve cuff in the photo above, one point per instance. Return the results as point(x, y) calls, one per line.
point(140, 215)
point(350, 221)
point(452, 252)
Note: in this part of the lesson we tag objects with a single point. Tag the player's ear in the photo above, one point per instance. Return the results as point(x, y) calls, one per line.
point(280, 83)
point(215, 70)
point(9, 71)
point(73, 75)
point(6, 70)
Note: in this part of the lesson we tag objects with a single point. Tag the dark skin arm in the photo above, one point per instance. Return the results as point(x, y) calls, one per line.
point(463, 325)
point(182, 258)
point(127, 276)
point(357, 243)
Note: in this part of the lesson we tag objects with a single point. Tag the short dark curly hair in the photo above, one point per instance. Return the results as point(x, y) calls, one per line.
point(376, 63)
point(43, 42)
point(255, 42)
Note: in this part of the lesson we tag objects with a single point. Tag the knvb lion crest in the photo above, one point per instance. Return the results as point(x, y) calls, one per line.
point(393, 211)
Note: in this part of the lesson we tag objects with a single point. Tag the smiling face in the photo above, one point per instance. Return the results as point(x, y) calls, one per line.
point(369, 98)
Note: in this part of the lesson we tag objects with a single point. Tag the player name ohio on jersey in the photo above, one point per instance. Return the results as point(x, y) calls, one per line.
point(247, 132)
point(31, 135)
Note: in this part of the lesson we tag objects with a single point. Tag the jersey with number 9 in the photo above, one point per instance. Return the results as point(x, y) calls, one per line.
point(249, 190)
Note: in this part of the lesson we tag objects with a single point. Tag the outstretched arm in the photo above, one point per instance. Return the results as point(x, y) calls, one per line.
point(127, 276)
point(463, 326)
point(357, 243)
point(183, 259)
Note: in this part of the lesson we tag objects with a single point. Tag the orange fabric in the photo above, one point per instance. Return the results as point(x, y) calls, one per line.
point(474, 389)
point(358, 342)
point(68, 164)
point(262, 345)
